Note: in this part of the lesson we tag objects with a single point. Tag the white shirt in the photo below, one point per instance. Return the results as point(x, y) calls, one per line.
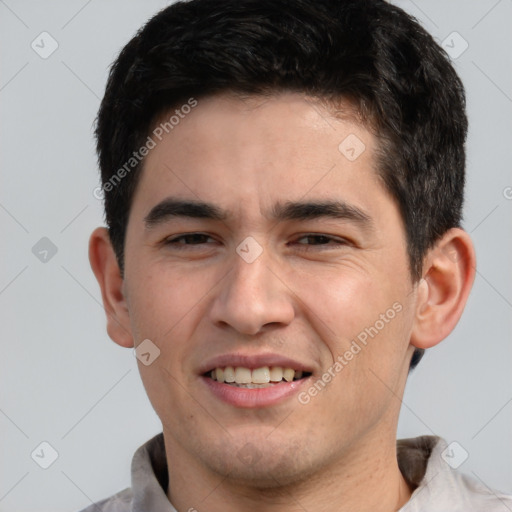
point(438, 487)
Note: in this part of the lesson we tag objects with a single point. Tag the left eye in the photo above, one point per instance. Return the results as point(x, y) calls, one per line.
point(188, 239)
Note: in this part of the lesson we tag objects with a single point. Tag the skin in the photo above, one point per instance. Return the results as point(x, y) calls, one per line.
point(304, 298)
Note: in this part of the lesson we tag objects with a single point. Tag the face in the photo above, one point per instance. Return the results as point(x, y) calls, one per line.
point(260, 238)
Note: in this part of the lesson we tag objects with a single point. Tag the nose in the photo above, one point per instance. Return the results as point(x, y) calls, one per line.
point(253, 298)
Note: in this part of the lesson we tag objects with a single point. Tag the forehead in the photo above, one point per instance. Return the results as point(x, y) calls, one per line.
point(255, 151)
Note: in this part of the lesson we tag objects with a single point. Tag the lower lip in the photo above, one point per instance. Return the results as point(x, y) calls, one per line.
point(256, 397)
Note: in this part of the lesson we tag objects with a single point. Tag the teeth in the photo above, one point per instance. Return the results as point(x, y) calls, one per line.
point(288, 374)
point(260, 377)
point(229, 374)
point(276, 374)
point(243, 375)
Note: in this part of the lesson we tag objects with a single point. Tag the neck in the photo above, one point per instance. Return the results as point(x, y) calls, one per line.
point(367, 477)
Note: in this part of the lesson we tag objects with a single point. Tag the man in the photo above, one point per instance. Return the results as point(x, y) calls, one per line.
point(283, 190)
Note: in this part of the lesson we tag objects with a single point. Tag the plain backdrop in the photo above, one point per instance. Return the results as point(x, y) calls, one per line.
point(63, 382)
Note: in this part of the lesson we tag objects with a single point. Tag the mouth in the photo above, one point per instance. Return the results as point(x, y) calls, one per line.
point(255, 378)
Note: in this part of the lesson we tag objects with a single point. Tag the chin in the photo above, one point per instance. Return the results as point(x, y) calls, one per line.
point(262, 464)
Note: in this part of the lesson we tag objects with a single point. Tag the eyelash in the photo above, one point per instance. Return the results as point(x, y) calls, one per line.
point(174, 241)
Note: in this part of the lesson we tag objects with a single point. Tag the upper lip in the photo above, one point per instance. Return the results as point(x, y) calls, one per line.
point(253, 361)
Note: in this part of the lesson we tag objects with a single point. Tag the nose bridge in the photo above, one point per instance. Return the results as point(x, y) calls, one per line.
point(251, 274)
point(251, 295)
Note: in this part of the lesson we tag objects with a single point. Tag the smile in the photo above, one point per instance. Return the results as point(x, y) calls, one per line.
point(254, 387)
point(262, 377)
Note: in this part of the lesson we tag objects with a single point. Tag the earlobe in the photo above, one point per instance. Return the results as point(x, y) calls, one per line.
point(448, 275)
point(106, 269)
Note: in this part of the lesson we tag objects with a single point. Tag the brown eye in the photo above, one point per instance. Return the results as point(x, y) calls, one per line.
point(322, 240)
point(188, 239)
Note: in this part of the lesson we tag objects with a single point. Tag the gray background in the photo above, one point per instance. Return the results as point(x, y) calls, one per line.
point(64, 382)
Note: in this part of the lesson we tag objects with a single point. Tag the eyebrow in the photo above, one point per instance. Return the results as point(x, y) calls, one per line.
point(170, 208)
point(289, 210)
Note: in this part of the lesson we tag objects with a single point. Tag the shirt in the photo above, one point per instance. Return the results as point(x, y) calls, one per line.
point(424, 462)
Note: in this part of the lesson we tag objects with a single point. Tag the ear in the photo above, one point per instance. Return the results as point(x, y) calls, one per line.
point(106, 269)
point(448, 275)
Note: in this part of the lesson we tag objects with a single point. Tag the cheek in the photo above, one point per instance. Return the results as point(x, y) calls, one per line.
point(367, 324)
point(366, 332)
point(339, 302)
point(165, 307)
point(164, 301)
